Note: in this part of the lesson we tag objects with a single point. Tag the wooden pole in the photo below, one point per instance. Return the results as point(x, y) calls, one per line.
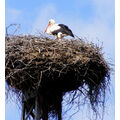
point(37, 108)
point(59, 107)
point(45, 109)
point(23, 109)
point(60, 111)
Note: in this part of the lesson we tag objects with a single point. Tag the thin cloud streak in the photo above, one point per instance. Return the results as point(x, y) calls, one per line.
point(12, 15)
point(42, 19)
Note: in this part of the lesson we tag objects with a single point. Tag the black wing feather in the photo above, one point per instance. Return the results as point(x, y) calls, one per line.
point(65, 29)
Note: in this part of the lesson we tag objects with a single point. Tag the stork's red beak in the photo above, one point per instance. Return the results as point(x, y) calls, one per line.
point(47, 27)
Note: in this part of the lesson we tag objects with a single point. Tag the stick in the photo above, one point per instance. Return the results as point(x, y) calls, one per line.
point(29, 113)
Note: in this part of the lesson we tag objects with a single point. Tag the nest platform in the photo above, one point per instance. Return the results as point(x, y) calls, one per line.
point(42, 66)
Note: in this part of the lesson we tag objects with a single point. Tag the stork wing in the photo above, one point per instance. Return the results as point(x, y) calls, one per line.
point(66, 30)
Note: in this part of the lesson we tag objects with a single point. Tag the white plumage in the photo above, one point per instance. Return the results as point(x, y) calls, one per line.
point(59, 30)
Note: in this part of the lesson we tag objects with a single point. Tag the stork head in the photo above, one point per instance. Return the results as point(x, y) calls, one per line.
point(50, 23)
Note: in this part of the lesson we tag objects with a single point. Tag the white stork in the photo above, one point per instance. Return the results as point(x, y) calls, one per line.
point(59, 30)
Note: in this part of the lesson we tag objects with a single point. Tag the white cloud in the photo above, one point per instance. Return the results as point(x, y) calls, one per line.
point(12, 15)
point(105, 9)
point(42, 19)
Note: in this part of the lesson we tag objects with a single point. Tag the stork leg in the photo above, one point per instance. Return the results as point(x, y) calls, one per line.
point(59, 37)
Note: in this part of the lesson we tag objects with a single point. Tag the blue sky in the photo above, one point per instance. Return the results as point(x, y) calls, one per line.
point(91, 19)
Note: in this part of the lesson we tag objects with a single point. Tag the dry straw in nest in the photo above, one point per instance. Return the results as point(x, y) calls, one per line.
point(54, 68)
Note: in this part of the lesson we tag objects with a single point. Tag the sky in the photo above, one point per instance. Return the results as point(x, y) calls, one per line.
point(90, 19)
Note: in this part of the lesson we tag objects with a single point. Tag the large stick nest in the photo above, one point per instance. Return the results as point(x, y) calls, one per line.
point(54, 67)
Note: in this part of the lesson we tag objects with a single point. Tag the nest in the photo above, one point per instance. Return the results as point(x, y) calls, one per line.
point(54, 68)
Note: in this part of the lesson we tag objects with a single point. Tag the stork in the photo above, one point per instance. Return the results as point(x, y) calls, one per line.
point(58, 30)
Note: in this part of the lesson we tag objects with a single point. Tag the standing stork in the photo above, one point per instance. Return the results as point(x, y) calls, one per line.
point(58, 30)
